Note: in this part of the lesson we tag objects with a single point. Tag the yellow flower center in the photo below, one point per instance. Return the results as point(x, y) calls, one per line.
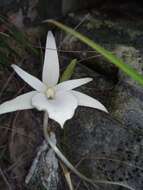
point(50, 93)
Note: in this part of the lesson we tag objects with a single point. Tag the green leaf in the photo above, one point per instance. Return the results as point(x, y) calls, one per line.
point(69, 70)
point(105, 53)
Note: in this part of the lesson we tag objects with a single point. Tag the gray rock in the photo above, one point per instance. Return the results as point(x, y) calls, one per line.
point(127, 106)
point(127, 101)
point(107, 146)
point(132, 57)
point(43, 173)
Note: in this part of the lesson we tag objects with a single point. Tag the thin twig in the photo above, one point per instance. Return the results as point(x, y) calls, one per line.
point(78, 185)
point(5, 179)
point(66, 51)
point(128, 164)
point(8, 81)
point(89, 58)
point(6, 84)
point(86, 185)
point(67, 37)
point(17, 163)
point(16, 132)
point(4, 34)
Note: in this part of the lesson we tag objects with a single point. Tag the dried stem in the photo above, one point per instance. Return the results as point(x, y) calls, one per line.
point(67, 176)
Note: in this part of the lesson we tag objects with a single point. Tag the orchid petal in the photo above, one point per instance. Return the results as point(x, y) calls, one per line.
point(50, 74)
point(85, 100)
point(71, 84)
point(21, 102)
point(60, 109)
point(31, 80)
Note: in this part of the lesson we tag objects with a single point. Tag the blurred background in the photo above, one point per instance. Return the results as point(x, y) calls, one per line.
point(31, 11)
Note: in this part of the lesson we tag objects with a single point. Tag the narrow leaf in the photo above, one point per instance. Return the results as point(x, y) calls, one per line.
point(69, 71)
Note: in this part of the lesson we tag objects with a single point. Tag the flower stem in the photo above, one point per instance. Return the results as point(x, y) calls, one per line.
point(47, 131)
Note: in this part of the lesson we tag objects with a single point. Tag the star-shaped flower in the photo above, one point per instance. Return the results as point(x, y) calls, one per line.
point(59, 100)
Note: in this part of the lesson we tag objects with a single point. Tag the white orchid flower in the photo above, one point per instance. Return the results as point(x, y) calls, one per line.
point(59, 100)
